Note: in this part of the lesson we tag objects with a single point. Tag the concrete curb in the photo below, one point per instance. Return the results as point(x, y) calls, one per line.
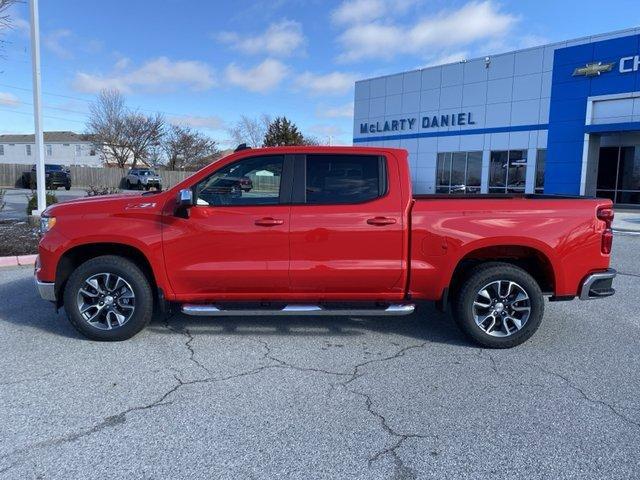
point(17, 261)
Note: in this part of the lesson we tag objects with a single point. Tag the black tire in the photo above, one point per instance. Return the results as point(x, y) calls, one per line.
point(67, 187)
point(128, 271)
point(483, 275)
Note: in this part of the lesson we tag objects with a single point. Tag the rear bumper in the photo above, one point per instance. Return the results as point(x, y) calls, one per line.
point(598, 285)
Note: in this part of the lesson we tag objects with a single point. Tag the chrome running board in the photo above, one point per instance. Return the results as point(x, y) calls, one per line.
point(299, 310)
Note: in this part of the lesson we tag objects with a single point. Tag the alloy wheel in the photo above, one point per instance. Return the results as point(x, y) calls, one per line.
point(501, 308)
point(106, 301)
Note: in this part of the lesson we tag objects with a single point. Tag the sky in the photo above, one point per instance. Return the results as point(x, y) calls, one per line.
point(206, 63)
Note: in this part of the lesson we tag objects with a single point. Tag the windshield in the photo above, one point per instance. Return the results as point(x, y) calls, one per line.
point(54, 168)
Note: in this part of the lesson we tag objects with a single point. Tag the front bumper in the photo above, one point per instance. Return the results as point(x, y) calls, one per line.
point(46, 290)
point(598, 285)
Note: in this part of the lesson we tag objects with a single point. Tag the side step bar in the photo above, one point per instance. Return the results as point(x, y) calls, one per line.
point(298, 310)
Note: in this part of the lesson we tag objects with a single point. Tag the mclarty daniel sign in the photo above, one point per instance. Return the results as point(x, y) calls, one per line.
point(410, 123)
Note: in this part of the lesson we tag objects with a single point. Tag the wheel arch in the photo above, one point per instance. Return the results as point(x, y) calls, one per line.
point(79, 254)
point(532, 260)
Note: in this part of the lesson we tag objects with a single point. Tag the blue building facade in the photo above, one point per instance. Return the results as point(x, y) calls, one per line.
point(561, 118)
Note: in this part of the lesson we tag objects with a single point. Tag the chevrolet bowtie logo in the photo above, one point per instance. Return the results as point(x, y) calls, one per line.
point(593, 69)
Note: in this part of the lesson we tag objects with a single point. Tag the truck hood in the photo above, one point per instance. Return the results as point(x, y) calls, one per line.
point(106, 203)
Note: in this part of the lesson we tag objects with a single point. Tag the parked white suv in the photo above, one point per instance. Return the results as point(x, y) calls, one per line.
point(143, 178)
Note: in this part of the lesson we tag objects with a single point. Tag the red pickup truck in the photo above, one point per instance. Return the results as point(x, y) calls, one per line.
point(322, 231)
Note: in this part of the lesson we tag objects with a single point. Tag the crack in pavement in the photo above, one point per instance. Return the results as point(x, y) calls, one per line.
point(192, 353)
point(401, 471)
point(26, 380)
point(584, 395)
point(281, 363)
point(400, 353)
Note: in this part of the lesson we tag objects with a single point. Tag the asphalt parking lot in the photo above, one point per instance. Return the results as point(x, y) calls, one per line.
point(322, 398)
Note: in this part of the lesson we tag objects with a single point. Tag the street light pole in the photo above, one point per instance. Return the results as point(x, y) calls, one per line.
point(37, 106)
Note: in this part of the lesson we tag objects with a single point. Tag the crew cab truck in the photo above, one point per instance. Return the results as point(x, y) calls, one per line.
point(323, 231)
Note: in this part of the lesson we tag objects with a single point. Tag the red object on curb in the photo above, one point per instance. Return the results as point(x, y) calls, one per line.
point(21, 260)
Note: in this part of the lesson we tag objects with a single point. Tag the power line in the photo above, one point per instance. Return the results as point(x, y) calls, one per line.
point(45, 116)
point(15, 87)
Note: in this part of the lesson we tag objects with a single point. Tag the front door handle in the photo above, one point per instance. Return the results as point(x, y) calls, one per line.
point(381, 221)
point(268, 222)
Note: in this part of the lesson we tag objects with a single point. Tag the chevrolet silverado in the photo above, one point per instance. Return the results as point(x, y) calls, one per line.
point(322, 231)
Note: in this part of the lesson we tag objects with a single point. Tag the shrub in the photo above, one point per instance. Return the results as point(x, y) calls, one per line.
point(33, 201)
point(94, 191)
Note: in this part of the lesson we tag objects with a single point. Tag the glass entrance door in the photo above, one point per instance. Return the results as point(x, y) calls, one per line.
point(619, 174)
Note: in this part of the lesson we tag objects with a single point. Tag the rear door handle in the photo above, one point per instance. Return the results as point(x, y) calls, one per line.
point(381, 221)
point(268, 222)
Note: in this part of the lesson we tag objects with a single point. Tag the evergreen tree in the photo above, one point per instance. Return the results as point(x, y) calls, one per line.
point(281, 132)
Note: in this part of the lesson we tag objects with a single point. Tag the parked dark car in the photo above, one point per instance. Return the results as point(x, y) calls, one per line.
point(55, 176)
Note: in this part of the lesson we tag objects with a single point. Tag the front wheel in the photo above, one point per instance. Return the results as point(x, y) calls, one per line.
point(499, 305)
point(108, 298)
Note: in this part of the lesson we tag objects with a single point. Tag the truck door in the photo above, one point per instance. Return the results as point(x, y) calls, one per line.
point(235, 243)
point(346, 230)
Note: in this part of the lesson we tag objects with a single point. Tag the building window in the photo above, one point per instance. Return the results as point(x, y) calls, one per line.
point(541, 160)
point(458, 172)
point(92, 152)
point(1, 149)
point(78, 150)
point(49, 150)
point(508, 171)
point(28, 147)
point(65, 144)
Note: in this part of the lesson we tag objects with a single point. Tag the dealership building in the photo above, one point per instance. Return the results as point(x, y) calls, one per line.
point(562, 118)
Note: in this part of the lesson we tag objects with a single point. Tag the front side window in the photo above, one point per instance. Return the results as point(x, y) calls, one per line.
point(458, 172)
point(252, 181)
point(335, 179)
point(28, 148)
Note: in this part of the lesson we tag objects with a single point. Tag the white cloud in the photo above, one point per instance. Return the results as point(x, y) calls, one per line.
point(360, 11)
point(330, 83)
point(9, 99)
point(160, 74)
point(340, 111)
point(281, 39)
point(210, 122)
point(54, 42)
point(261, 78)
point(326, 130)
point(447, 29)
point(448, 58)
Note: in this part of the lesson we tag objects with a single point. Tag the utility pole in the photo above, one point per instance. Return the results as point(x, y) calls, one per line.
point(37, 107)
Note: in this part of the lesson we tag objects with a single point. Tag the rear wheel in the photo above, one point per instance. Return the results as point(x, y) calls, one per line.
point(499, 305)
point(108, 298)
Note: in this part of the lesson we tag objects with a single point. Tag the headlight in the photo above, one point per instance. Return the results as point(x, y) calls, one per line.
point(46, 224)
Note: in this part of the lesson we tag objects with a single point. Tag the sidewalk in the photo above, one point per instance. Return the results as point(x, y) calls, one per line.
point(627, 221)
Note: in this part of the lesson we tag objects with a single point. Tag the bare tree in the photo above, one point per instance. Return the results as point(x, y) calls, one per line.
point(5, 19)
point(143, 132)
point(250, 130)
point(122, 136)
point(108, 129)
point(185, 148)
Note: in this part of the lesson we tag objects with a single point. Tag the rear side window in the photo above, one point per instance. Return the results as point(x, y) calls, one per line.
point(332, 179)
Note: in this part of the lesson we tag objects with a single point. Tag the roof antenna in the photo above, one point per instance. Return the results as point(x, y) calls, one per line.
point(242, 146)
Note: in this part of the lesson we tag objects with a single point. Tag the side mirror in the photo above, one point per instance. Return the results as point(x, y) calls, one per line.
point(184, 202)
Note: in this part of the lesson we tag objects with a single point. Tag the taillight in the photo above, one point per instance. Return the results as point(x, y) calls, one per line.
point(606, 215)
